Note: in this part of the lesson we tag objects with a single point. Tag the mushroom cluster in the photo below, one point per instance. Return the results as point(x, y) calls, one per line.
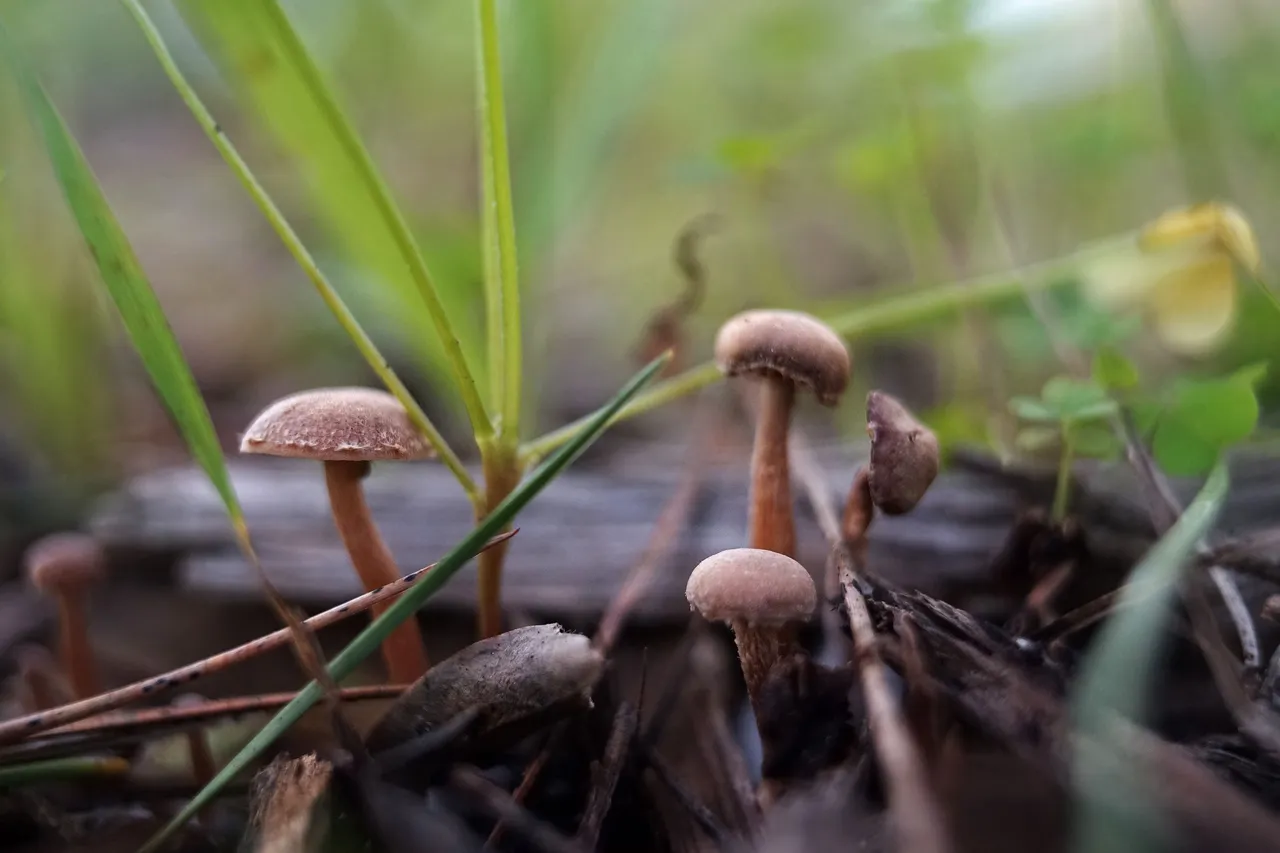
point(761, 592)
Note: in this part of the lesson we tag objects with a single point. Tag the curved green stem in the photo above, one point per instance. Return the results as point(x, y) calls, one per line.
point(877, 318)
point(55, 769)
point(300, 253)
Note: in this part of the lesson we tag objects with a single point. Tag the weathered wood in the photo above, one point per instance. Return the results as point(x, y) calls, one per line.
point(580, 537)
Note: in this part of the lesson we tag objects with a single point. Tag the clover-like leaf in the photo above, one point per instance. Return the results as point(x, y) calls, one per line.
point(1032, 410)
point(1095, 441)
point(1205, 417)
point(1077, 400)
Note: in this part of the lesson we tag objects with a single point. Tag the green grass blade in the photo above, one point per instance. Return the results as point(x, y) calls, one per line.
point(61, 769)
point(260, 53)
point(127, 285)
point(499, 219)
point(345, 662)
point(1116, 676)
point(346, 319)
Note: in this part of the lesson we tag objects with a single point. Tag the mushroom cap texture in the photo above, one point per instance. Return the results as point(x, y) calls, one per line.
point(790, 344)
point(904, 455)
point(336, 425)
point(61, 559)
point(751, 585)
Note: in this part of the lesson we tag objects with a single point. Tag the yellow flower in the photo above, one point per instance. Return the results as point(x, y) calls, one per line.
point(1182, 273)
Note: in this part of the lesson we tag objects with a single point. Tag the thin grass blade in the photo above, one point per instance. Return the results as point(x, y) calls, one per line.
point(262, 56)
point(1116, 677)
point(345, 662)
point(499, 226)
point(367, 348)
point(127, 285)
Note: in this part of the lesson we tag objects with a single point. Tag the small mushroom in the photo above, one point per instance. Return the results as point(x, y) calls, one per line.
point(64, 565)
point(347, 429)
point(760, 594)
point(510, 680)
point(904, 455)
point(785, 349)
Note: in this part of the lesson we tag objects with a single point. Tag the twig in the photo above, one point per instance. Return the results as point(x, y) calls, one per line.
point(126, 721)
point(23, 727)
point(502, 806)
point(606, 773)
point(916, 817)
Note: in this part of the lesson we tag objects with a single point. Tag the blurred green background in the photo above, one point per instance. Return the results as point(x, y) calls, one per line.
point(850, 148)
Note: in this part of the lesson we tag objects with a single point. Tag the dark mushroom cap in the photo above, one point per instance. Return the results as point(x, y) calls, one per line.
point(790, 344)
point(64, 559)
point(751, 585)
point(336, 425)
point(904, 455)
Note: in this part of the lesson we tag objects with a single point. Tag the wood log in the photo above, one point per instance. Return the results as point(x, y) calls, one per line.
point(580, 537)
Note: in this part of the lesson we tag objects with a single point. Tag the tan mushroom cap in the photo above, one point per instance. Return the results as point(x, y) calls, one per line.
point(791, 344)
point(751, 585)
point(64, 559)
point(904, 455)
point(336, 425)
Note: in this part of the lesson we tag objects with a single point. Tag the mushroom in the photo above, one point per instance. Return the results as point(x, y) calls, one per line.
point(758, 593)
point(346, 429)
point(904, 455)
point(784, 349)
point(63, 565)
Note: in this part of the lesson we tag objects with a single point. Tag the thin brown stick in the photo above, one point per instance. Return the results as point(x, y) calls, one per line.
point(701, 815)
point(31, 724)
point(606, 774)
point(915, 814)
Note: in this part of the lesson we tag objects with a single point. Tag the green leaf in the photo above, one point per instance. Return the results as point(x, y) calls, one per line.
point(1204, 418)
point(367, 348)
point(127, 285)
point(1112, 371)
point(345, 662)
point(1180, 451)
point(1077, 400)
point(1116, 676)
point(1221, 411)
point(1095, 441)
point(1038, 439)
point(261, 55)
point(1033, 410)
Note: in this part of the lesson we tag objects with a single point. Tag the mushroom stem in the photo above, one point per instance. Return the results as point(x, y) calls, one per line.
point(760, 647)
point(405, 657)
point(73, 643)
point(771, 521)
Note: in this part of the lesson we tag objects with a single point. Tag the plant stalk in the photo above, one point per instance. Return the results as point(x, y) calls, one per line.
point(502, 473)
point(500, 212)
point(887, 315)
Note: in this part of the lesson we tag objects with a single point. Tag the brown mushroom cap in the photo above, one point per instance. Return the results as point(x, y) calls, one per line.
point(336, 425)
point(752, 585)
point(904, 455)
point(790, 344)
point(64, 559)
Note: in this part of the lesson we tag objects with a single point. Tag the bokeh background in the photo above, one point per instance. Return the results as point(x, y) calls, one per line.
point(849, 148)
